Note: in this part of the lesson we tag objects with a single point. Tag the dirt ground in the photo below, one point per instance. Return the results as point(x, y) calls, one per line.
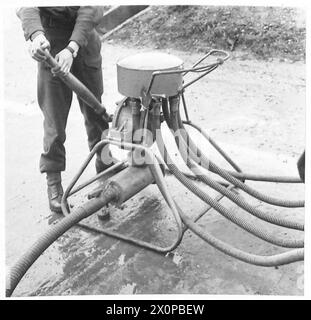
point(254, 109)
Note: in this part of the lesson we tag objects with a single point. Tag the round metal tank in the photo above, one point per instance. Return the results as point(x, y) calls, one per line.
point(134, 74)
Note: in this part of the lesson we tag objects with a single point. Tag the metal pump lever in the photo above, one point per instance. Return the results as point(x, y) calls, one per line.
point(79, 88)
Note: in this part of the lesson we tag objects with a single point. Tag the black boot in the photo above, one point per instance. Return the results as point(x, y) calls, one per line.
point(55, 191)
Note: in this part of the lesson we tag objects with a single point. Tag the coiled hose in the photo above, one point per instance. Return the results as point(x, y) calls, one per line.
point(18, 270)
point(211, 166)
point(267, 261)
point(256, 231)
point(245, 205)
point(173, 124)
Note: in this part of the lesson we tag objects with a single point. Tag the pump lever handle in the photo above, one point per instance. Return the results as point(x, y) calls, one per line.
point(79, 88)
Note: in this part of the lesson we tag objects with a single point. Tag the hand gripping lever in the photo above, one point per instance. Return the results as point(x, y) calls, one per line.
point(79, 88)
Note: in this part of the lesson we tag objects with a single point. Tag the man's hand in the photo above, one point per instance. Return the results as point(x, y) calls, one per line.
point(64, 59)
point(37, 47)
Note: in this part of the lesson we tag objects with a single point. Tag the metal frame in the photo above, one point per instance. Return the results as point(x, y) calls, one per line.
point(159, 179)
point(208, 68)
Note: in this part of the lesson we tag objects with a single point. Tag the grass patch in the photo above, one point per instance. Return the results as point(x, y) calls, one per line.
point(262, 32)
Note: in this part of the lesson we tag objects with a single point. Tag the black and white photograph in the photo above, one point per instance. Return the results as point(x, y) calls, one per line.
point(154, 149)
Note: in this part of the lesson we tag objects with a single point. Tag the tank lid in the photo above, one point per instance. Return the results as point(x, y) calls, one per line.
point(150, 61)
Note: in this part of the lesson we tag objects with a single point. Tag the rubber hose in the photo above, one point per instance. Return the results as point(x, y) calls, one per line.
point(195, 178)
point(245, 205)
point(211, 166)
point(244, 175)
point(216, 146)
point(264, 261)
point(221, 209)
point(18, 270)
point(264, 178)
point(229, 194)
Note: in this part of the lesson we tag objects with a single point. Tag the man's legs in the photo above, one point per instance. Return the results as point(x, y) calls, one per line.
point(95, 125)
point(95, 128)
point(54, 99)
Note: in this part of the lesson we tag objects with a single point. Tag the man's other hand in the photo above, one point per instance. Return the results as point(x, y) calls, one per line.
point(64, 59)
point(37, 47)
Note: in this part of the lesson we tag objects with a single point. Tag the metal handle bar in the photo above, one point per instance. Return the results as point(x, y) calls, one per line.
point(211, 52)
point(206, 69)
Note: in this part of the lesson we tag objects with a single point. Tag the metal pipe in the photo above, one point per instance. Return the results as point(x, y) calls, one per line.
point(204, 211)
point(135, 107)
point(106, 173)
